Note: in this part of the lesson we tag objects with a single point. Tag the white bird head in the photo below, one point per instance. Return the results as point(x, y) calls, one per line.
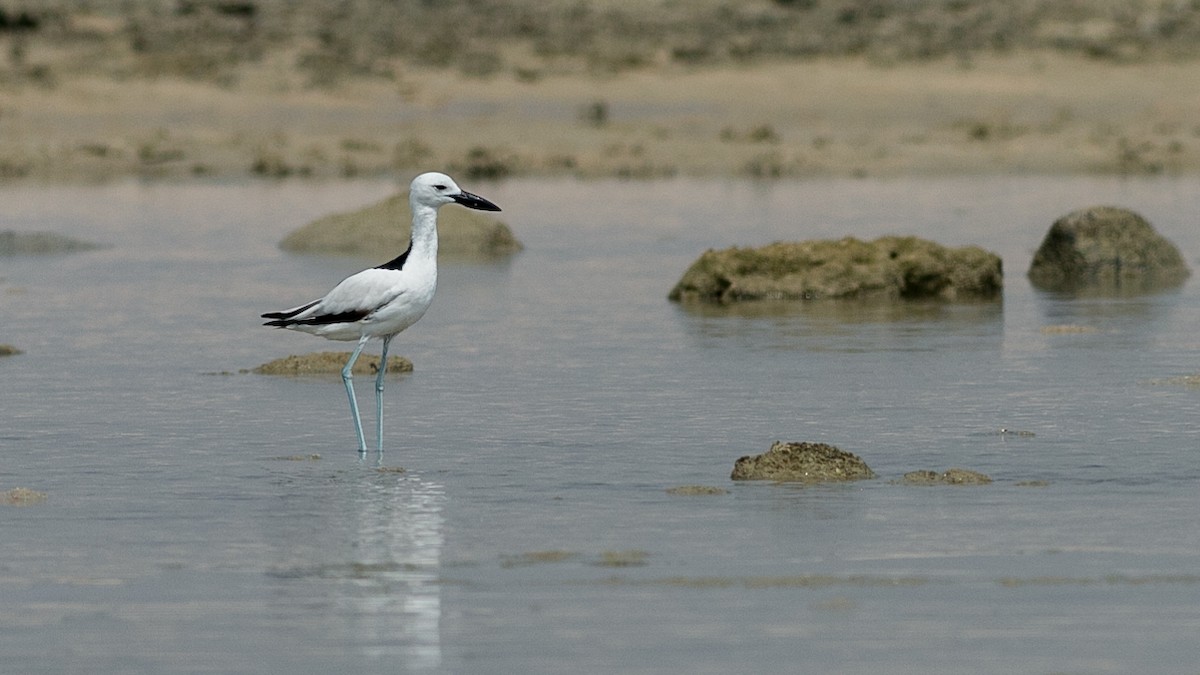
point(435, 189)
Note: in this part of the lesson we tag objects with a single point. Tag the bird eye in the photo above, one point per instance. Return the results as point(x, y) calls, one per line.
point(439, 187)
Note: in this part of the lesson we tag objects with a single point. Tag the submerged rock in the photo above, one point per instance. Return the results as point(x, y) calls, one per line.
point(1068, 329)
point(384, 229)
point(1185, 380)
point(695, 490)
point(630, 558)
point(807, 462)
point(1106, 249)
point(20, 496)
point(893, 268)
point(331, 363)
point(38, 243)
point(947, 477)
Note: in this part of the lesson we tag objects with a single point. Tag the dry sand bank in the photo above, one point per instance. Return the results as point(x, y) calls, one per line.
point(1036, 112)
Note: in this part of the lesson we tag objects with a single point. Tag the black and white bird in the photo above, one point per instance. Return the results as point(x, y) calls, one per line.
point(382, 301)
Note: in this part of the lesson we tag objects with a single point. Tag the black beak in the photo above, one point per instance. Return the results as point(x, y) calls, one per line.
point(475, 202)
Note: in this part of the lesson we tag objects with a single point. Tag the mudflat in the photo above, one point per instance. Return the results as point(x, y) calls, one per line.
point(516, 109)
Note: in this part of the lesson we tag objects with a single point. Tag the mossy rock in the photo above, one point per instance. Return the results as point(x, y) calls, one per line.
point(947, 477)
point(1108, 250)
point(331, 363)
point(20, 496)
point(890, 268)
point(804, 462)
point(696, 490)
point(383, 230)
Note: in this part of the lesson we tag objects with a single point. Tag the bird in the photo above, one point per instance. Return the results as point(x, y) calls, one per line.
point(382, 301)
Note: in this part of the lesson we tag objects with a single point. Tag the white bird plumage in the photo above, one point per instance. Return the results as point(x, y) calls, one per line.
point(383, 301)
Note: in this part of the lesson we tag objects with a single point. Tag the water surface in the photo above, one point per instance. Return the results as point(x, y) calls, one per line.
point(556, 396)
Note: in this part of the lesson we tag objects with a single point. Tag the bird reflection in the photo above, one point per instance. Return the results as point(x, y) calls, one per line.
point(391, 594)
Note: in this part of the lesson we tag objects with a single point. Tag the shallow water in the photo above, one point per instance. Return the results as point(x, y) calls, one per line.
point(556, 397)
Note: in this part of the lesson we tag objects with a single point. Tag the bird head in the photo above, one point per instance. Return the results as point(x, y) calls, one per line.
point(435, 189)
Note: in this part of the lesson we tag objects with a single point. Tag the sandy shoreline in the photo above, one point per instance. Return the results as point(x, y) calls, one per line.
point(1035, 112)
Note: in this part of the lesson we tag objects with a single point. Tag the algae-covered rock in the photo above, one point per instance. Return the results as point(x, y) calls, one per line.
point(947, 477)
point(630, 558)
point(40, 243)
point(1184, 380)
point(1067, 329)
point(806, 462)
point(899, 268)
point(1106, 249)
point(331, 363)
point(20, 496)
point(696, 490)
point(383, 229)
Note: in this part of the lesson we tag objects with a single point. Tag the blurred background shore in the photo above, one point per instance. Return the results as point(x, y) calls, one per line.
point(92, 90)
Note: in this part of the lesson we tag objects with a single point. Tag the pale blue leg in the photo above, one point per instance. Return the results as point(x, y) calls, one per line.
point(348, 380)
point(379, 392)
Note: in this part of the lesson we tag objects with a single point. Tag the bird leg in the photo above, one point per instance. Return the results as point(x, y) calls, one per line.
point(348, 380)
point(379, 392)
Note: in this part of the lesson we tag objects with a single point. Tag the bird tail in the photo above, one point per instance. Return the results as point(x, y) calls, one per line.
point(286, 317)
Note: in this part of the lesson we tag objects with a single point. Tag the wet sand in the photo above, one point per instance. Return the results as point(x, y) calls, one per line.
point(1032, 112)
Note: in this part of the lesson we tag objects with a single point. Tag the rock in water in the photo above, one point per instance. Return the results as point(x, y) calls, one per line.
point(383, 229)
point(894, 268)
point(947, 477)
point(1106, 249)
point(37, 243)
point(806, 462)
point(331, 363)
